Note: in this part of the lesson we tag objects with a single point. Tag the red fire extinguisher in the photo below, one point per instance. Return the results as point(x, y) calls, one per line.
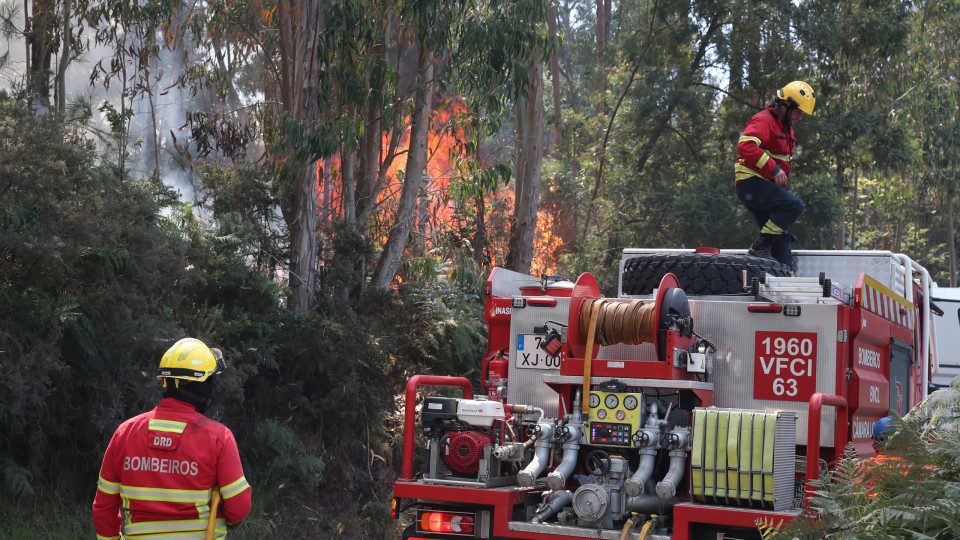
point(497, 377)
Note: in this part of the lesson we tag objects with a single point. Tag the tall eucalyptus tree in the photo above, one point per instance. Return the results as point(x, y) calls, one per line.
point(854, 47)
point(933, 108)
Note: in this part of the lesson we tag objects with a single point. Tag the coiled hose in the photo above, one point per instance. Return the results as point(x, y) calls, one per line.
point(631, 323)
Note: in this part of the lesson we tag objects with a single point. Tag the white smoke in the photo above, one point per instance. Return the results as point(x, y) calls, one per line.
point(149, 145)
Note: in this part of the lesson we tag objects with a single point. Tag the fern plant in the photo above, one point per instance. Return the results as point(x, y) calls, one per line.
point(912, 490)
point(278, 460)
point(16, 479)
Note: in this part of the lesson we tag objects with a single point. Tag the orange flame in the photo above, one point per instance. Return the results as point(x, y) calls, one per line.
point(436, 209)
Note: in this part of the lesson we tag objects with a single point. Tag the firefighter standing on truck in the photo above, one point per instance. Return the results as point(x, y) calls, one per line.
point(763, 170)
point(164, 465)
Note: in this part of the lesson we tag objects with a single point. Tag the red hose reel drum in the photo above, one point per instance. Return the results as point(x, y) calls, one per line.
point(586, 288)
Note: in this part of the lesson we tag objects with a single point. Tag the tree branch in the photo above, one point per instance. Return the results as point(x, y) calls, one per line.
point(726, 93)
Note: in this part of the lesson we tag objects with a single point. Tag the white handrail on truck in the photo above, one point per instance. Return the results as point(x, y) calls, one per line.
point(925, 283)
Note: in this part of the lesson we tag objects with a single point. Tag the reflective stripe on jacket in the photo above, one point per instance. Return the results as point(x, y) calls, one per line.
point(161, 467)
point(764, 145)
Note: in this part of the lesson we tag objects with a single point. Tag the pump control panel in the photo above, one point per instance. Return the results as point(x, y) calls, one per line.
point(614, 418)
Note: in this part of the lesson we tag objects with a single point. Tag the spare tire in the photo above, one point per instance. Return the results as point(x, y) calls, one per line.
point(698, 273)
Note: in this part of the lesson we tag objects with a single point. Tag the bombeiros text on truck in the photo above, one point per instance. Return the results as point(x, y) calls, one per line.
point(700, 399)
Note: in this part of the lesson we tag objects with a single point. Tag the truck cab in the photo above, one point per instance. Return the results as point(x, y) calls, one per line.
point(947, 335)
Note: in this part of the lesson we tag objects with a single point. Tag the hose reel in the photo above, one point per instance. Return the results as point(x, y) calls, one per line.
point(631, 323)
point(596, 321)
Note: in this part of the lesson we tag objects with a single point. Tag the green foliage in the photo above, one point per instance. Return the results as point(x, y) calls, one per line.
point(100, 275)
point(99, 272)
point(912, 491)
point(822, 211)
point(116, 119)
point(96, 284)
point(672, 142)
point(73, 239)
point(495, 42)
point(16, 479)
point(52, 518)
point(446, 329)
point(279, 463)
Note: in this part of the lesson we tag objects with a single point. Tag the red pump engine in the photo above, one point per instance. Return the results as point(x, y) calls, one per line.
point(463, 449)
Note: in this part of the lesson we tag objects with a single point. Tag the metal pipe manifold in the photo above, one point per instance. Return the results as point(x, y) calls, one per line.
point(541, 456)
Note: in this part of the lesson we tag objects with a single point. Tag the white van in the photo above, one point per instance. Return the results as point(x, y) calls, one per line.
point(946, 331)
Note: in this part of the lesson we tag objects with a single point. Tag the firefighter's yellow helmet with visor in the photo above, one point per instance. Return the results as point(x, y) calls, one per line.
point(191, 360)
point(800, 94)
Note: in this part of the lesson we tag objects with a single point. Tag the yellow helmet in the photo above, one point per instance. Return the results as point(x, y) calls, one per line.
point(190, 359)
point(799, 93)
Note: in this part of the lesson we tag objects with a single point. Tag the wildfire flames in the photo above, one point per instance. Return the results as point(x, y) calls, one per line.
point(437, 215)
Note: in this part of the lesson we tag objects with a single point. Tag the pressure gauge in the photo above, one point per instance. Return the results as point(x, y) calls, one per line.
point(630, 403)
point(594, 400)
point(612, 401)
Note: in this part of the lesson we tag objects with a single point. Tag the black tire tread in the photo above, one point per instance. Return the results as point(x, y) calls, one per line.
point(698, 273)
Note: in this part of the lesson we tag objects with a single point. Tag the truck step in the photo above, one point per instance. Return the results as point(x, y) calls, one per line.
point(578, 532)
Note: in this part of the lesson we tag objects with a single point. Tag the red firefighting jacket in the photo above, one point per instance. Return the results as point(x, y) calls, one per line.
point(162, 466)
point(764, 146)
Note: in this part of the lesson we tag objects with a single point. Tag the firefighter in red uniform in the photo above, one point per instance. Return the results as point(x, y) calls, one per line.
point(763, 170)
point(163, 466)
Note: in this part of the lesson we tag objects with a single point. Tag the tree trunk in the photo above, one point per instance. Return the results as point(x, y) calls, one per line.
point(61, 77)
point(371, 143)
point(392, 253)
point(349, 187)
point(952, 239)
point(368, 168)
point(603, 34)
point(735, 83)
point(480, 234)
point(41, 40)
point(603, 25)
point(288, 55)
point(418, 246)
point(841, 240)
point(894, 183)
point(27, 32)
point(303, 244)
point(153, 143)
point(854, 217)
point(303, 229)
point(554, 76)
point(529, 112)
point(347, 179)
point(124, 134)
point(325, 177)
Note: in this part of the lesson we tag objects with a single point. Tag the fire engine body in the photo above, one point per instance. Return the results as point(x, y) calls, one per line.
point(660, 413)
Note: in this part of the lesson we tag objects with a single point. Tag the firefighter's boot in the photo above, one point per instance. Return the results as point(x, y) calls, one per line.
point(762, 247)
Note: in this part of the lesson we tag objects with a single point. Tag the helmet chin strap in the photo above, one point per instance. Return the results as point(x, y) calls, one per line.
point(202, 403)
point(200, 395)
point(787, 118)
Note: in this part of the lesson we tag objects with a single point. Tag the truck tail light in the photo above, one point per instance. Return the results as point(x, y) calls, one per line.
point(453, 523)
point(764, 308)
point(393, 509)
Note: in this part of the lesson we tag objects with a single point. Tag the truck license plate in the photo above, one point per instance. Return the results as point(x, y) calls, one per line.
point(531, 356)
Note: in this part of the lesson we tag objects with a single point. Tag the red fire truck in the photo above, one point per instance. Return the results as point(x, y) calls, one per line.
point(700, 399)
